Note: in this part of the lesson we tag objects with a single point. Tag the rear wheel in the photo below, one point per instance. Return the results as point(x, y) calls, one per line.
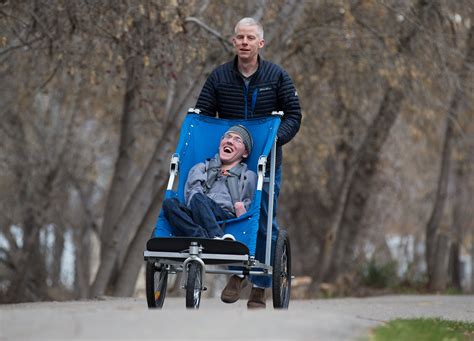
point(194, 285)
point(281, 279)
point(156, 284)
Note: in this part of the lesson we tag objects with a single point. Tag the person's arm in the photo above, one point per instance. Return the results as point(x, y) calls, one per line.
point(195, 182)
point(248, 192)
point(207, 100)
point(290, 104)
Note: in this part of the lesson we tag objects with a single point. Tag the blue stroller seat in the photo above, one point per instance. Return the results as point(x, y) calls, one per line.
point(199, 140)
point(167, 253)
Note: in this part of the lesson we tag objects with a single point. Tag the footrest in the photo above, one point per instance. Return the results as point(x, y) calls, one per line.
point(179, 244)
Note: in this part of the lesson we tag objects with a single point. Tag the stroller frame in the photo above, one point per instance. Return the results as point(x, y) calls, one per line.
point(190, 256)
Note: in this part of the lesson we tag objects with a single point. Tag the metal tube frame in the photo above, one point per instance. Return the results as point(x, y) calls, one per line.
point(175, 267)
point(195, 252)
point(271, 195)
point(176, 258)
point(174, 169)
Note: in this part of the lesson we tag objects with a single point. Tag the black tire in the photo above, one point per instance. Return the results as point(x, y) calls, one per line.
point(156, 284)
point(281, 279)
point(194, 285)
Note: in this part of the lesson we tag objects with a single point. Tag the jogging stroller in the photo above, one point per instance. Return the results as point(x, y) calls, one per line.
point(168, 254)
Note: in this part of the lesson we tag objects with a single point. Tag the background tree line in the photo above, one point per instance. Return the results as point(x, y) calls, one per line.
point(93, 94)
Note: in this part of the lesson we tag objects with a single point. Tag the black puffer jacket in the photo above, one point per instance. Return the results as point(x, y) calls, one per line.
point(270, 89)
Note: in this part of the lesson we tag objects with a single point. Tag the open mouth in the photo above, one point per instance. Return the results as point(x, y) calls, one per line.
point(228, 150)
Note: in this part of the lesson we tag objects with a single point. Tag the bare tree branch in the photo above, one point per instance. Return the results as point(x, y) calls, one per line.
point(225, 43)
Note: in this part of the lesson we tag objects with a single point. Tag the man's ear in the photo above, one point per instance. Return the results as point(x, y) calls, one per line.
point(261, 43)
point(245, 155)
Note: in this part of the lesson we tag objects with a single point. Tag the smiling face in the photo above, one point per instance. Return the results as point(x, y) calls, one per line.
point(232, 149)
point(247, 42)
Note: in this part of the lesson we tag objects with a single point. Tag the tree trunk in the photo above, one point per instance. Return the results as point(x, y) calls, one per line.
point(139, 202)
point(146, 189)
point(360, 187)
point(432, 227)
point(28, 264)
point(134, 258)
point(118, 193)
point(137, 205)
point(82, 234)
point(353, 194)
point(461, 207)
point(119, 188)
point(454, 267)
point(439, 204)
point(58, 249)
point(472, 261)
point(439, 275)
point(82, 262)
point(354, 191)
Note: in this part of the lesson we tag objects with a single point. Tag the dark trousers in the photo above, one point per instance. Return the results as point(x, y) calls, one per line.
point(199, 220)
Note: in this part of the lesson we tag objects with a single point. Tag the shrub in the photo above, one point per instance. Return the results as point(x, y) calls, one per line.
point(379, 275)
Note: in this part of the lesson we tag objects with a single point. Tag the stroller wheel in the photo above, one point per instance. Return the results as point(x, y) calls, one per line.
point(156, 284)
point(281, 279)
point(193, 285)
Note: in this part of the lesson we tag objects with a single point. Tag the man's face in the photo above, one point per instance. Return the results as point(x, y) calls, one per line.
point(232, 149)
point(247, 43)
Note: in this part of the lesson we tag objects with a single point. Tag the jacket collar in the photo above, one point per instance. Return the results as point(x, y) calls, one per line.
point(236, 67)
point(215, 162)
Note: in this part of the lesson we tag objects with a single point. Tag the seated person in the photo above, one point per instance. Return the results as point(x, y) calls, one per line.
point(220, 188)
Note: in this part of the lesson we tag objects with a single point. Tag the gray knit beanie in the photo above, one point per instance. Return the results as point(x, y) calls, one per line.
point(244, 134)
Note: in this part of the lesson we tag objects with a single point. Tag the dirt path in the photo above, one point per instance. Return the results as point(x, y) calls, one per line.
point(335, 319)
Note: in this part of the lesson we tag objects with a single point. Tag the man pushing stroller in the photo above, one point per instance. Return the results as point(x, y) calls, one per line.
point(249, 87)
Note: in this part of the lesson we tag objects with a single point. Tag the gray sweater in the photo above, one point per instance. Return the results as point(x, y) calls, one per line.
point(219, 192)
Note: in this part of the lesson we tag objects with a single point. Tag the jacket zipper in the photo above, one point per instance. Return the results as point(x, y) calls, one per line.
point(246, 91)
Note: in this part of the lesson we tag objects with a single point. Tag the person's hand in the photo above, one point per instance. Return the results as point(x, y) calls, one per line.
point(239, 208)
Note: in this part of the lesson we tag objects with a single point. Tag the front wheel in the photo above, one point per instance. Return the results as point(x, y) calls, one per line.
point(194, 285)
point(156, 284)
point(281, 279)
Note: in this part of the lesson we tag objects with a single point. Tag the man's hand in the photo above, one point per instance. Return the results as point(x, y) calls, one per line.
point(239, 208)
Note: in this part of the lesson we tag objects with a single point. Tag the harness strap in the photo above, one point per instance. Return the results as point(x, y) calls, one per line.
point(233, 181)
point(213, 168)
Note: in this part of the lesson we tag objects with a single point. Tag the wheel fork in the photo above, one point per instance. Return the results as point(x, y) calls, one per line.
point(194, 252)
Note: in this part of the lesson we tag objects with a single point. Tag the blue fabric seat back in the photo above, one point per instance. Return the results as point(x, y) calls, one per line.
point(199, 140)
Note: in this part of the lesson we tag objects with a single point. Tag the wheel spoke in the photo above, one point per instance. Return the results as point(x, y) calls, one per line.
point(284, 275)
point(197, 288)
point(282, 271)
point(193, 285)
point(156, 283)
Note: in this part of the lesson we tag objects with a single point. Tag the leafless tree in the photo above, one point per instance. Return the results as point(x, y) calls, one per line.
point(93, 95)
